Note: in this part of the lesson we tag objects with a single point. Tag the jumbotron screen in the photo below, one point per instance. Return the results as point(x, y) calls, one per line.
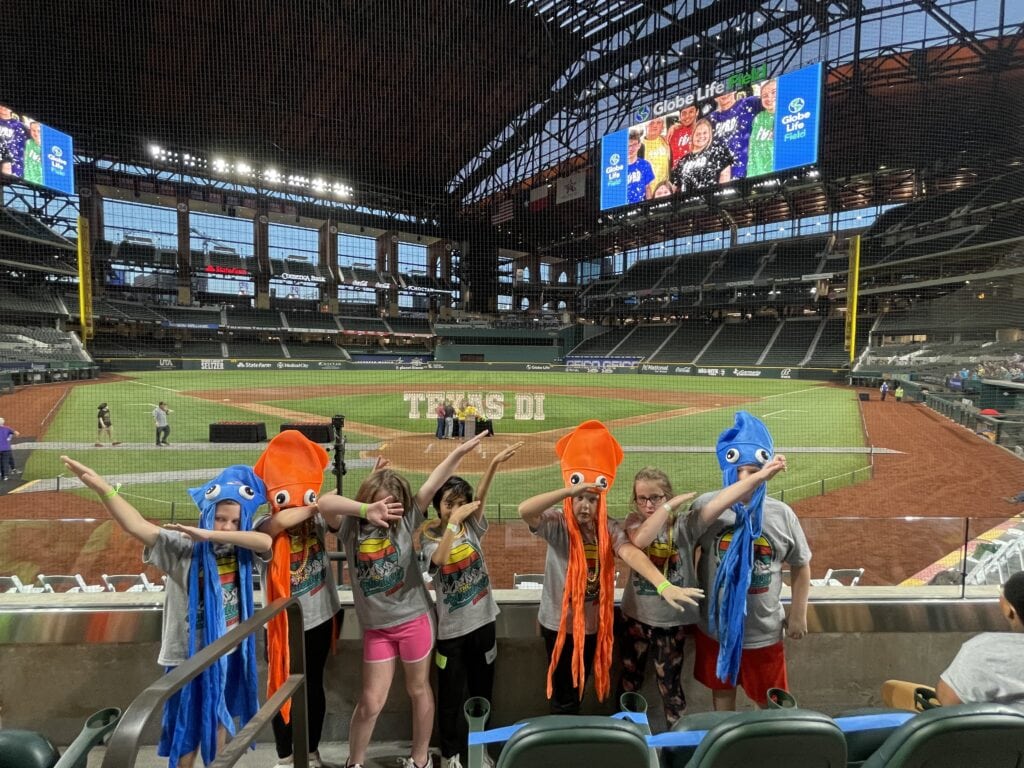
point(745, 126)
point(35, 153)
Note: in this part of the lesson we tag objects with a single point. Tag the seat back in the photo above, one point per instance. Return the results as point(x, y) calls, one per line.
point(568, 741)
point(26, 749)
point(123, 582)
point(678, 757)
point(964, 736)
point(773, 738)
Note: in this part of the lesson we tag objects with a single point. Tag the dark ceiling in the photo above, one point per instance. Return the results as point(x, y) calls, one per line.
point(397, 94)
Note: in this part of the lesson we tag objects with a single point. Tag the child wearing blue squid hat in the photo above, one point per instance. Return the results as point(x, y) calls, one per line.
point(209, 571)
point(743, 549)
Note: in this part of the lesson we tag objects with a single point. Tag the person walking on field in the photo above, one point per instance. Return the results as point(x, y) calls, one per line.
point(884, 390)
point(104, 426)
point(163, 428)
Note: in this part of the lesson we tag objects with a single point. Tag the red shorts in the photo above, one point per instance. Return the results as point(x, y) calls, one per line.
point(760, 668)
point(411, 641)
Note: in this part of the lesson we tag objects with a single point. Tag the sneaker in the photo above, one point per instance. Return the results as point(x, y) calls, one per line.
point(451, 762)
point(408, 762)
point(283, 762)
point(352, 765)
point(314, 757)
point(488, 761)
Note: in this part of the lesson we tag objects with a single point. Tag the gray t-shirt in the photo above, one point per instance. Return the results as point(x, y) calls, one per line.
point(672, 553)
point(781, 541)
point(989, 669)
point(160, 417)
point(553, 530)
point(465, 598)
point(172, 554)
point(311, 574)
point(387, 585)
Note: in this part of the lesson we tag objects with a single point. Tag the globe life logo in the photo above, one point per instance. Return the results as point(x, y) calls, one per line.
point(795, 122)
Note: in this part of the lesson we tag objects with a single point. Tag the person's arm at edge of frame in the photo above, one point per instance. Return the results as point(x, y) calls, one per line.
point(443, 471)
point(796, 623)
point(124, 514)
point(492, 468)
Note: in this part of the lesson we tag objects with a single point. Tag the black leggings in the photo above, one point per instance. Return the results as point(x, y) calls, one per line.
point(466, 666)
point(565, 697)
point(317, 642)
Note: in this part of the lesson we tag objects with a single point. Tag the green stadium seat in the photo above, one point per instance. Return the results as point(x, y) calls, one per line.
point(569, 741)
point(964, 736)
point(773, 738)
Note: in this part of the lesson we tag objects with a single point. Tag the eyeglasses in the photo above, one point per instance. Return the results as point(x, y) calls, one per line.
point(645, 500)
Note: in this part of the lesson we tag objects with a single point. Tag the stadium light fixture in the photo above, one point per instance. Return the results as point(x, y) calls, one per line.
point(154, 150)
point(243, 168)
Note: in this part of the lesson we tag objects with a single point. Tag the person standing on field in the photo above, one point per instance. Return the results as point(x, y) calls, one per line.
point(163, 428)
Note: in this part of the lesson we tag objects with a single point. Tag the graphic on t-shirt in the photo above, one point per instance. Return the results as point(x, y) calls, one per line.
point(377, 567)
point(308, 563)
point(764, 554)
point(660, 553)
point(463, 579)
point(227, 567)
point(593, 580)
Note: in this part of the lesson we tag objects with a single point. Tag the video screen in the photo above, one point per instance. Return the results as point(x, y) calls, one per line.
point(35, 153)
point(746, 126)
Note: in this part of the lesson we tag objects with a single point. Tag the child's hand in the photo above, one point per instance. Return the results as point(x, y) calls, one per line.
point(796, 628)
point(674, 595)
point(89, 478)
point(773, 467)
point(459, 514)
point(380, 464)
point(384, 512)
point(196, 534)
point(508, 453)
point(471, 445)
point(677, 501)
point(575, 491)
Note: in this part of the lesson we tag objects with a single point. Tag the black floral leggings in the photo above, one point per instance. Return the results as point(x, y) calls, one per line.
point(636, 640)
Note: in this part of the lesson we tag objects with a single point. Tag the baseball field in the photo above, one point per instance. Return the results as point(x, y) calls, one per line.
point(848, 459)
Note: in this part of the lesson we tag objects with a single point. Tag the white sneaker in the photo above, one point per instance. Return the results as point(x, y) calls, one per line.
point(488, 761)
point(283, 762)
point(408, 762)
point(315, 761)
point(451, 762)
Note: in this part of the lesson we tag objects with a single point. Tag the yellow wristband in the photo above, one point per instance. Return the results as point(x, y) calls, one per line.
point(453, 528)
point(362, 510)
point(112, 492)
point(663, 586)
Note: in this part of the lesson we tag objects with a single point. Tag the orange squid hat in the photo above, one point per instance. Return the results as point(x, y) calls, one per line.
point(588, 454)
point(292, 468)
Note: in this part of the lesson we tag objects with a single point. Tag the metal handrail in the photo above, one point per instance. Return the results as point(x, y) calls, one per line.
point(123, 748)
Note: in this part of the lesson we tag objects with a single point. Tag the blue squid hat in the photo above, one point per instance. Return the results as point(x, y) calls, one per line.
point(229, 687)
point(746, 443)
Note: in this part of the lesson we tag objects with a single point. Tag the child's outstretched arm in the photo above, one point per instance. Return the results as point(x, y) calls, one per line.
point(673, 595)
point(648, 531)
point(532, 508)
point(443, 471)
point(334, 507)
point(740, 489)
point(124, 514)
point(259, 543)
point(485, 482)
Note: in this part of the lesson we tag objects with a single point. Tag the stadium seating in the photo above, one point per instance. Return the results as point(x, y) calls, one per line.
point(990, 735)
point(603, 343)
point(298, 321)
point(250, 348)
point(253, 318)
point(577, 740)
point(739, 264)
point(200, 348)
point(829, 352)
point(189, 316)
point(686, 343)
point(643, 275)
point(738, 343)
point(316, 351)
point(690, 269)
point(363, 324)
point(792, 342)
point(794, 258)
point(410, 325)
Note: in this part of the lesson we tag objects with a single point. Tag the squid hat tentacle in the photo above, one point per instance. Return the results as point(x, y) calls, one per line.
point(588, 454)
point(292, 466)
point(746, 443)
point(203, 703)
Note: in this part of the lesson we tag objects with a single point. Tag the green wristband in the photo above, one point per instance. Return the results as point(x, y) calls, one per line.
point(362, 510)
point(663, 586)
point(112, 492)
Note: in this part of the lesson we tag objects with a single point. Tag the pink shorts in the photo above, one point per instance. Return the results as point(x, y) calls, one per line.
point(411, 641)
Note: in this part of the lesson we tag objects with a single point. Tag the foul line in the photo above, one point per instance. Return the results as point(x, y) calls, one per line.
point(155, 386)
point(794, 392)
point(56, 405)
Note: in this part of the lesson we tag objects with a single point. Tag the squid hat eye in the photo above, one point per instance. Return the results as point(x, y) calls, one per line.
point(212, 492)
point(746, 443)
point(575, 478)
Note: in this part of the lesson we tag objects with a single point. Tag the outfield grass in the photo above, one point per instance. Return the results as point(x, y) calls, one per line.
point(799, 413)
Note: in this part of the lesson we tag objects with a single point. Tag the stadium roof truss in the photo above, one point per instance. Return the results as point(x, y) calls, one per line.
point(631, 53)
